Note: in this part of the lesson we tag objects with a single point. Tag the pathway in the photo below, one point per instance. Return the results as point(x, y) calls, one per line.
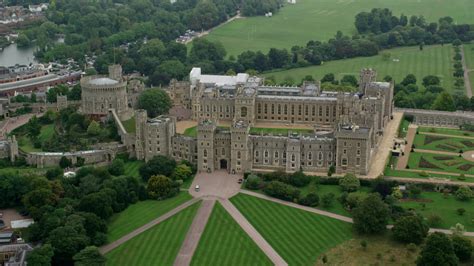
point(467, 82)
point(191, 241)
point(253, 233)
point(447, 135)
point(403, 160)
point(301, 207)
point(379, 159)
point(436, 152)
point(107, 248)
point(12, 123)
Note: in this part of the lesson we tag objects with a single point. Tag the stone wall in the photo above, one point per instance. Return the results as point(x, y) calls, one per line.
point(438, 118)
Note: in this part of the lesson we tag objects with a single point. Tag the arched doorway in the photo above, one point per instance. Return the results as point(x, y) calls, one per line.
point(223, 164)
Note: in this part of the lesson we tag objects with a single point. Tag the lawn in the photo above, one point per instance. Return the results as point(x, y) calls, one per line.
point(403, 128)
point(157, 246)
point(192, 131)
point(132, 167)
point(407, 174)
point(225, 243)
point(321, 19)
point(298, 236)
point(26, 144)
point(469, 56)
point(446, 131)
point(440, 163)
point(278, 131)
point(141, 213)
point(433, 60)
point(445, 208)
point(441, 143)
point(129, 125)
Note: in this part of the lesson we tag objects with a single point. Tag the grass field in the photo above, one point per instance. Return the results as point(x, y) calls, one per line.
point(141, 213)
point(132, 167)
point(129, 125)
point(321, 19)
point(429, 162)
point(469, 56)
point(278, 131)
point(298, 236)
point(440, 143)
point(433, 60)
point(447, 131)
point(408, 174)
point(25, 143)
point(192, 131)
point(225, 243)
point(445, 208)
point(157, 246)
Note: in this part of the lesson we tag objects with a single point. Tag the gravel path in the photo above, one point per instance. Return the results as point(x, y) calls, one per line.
point(467, 82)
point(191, 241)
point(253, 233)
point(403, 160)
point(107, 248)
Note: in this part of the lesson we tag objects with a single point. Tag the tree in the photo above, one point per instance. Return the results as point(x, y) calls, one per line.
point(409, 79)
point(64, 162)
point(349, 80)
point(54, 173)
point(40, 256)
point(281, 190)
point(171, 69)
point(99, 203)
point(349, 183)
point(457, 43)
point(34, 128)
point(66, 242)
point(253, 182)
point(75, 93)
point(117, 167)
point(438, 250)
point(327, 199)
point(299, 179)
point(161, 187)
point(205, 50)
point(410, 229)
point(463, 248)
point(331, 170)
point(89, 256)
point(371, 216)
point(328, 78)
point(464, 193)
point(431, 80)
point(155, 102)
point(182, 172)
point(94, 129)
point(158, 165)
point(311, 199)
point(444, 102)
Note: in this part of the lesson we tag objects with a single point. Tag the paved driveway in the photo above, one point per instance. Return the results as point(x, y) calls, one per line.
point(217, 184)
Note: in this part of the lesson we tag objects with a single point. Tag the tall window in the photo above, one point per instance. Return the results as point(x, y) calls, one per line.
point(205, 153)
point(243, 111)
point(238, 155)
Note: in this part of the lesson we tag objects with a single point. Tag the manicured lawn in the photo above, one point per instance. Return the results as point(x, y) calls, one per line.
point(26, 144)
point(320, 20)
point(225, 243)
point(441, 143)
point(278, 131)
point(141, 213)
point(132, 167)
point(191, 132)
point(433, 60)
point(298, 236)
point(129, 125)
point(445, 208)
point(432, 162)
point(408, 174)
point(447, 131)
point(157, 246)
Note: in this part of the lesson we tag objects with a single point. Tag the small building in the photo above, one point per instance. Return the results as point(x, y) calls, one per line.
point(14, 254)
point(6, 238)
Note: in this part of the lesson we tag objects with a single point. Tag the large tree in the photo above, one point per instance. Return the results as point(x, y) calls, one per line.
point(349, 183)
point(40, 256)
point(444, 102)
point(161, 187)
point(158, 165)
point(410, 229)
point(89, 256)
point(371, 216)
point(155, 102)
point(438, 250)
point(463, 248)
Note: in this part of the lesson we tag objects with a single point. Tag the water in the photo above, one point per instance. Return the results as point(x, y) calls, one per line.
point(12, 55)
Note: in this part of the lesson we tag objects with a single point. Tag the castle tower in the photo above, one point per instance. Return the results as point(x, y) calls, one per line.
point(13, 148)
point(240, 156)
point(115, 72)
point(140, 133)
point(367, 75)
point(245, 105)
point(205, 145)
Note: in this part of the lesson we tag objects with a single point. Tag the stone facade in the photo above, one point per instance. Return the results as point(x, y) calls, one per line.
point(347, 126)
point(9, 149)
point(439, 118)
point(102, 93)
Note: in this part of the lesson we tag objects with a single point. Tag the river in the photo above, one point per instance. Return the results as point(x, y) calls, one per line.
point(12, 55)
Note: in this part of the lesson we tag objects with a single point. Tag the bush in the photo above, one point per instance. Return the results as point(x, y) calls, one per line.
point(463, 248)
point(349, 183)
point(158, 165)
point(311, 199)
point(461, 211)
point(161, 187)
point(464, 193)
point(327, 199)
point(117, 167)
point(54, 173)
point(281, 190)
point(434, 220)
point(410, 229)
point(299, 179)
point(253, 182)
point(371, 216)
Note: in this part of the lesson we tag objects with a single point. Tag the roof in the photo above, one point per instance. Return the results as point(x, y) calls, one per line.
point(24, 223)
point(6, 235)
point(219, 80)
point(103, 81)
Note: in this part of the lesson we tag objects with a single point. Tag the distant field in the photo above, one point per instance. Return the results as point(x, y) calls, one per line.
point(158, 245)
point(321, 19)
point(141, 213)
point(300, 237)
point(433, 60)
point(225, 243)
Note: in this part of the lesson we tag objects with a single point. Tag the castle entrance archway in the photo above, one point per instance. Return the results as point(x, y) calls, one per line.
point(223, 164)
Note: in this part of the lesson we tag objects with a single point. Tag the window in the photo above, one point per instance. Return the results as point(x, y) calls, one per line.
point(320, 156)
point(293, 157)
point(310, 155)
point(344, 162)
point(243, 111)
point(358, 152)
point(238, 155)
point(223, 151)
point(256, 153)
point(357, 161)
point(276, 154)
point(205, 153)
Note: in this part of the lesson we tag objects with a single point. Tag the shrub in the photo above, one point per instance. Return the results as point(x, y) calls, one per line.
point(349, 183)
point(411, 247)
point(410, 229)
point(117, 167)
point(162, 187)
point(54, 173)
point(299, 179)
point(253, 182)
point(464, 193)
point(311, 199)
point(281, 190)
point(371, 216)
point(461, 211)
point(434, 220)
point(327, 199)
point(363, 244)
point(463, 248)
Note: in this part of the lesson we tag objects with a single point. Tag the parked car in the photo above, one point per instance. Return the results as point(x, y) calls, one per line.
point(240, 181)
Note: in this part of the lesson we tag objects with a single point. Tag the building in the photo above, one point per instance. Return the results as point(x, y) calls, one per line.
point(346, 126)
point(100, 94)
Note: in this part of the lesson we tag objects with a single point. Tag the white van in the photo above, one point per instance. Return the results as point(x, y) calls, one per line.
point(196, 188)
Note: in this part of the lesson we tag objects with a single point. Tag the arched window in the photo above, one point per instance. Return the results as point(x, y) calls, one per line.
point(205, 153)
point(310, 155)
point(293, 157)
point(256, 153)
point(238, 155)
point(266, 154)
point(320, 156)
point(243, 111)
point(276, 154)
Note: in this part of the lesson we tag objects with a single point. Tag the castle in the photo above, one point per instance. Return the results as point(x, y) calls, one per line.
point(346, 126)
